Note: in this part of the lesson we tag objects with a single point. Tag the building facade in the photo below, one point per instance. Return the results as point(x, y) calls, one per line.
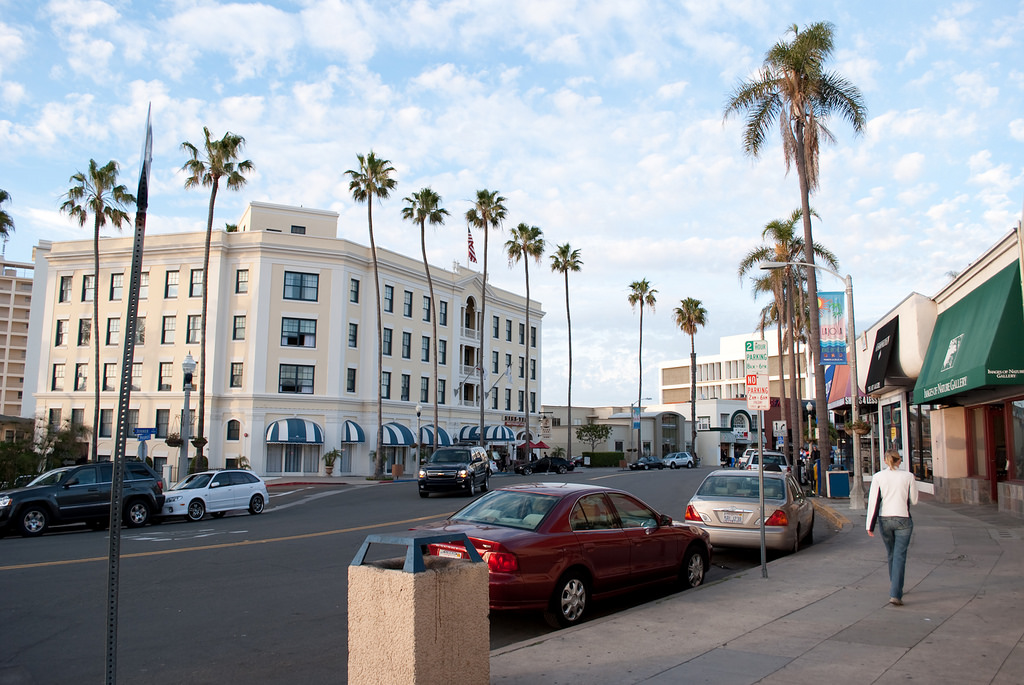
point(291, 344)
point(15, 309)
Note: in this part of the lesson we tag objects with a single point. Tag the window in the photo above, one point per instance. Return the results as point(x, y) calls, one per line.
point(57, 380)
point(60, 337)
point(495, 326)
point(65, 289)
point(406, 381)
point(54, 420)
point(426, 308)
point(494, 400)
point(242, 281)
point(298, 332)
point(167, 331)
point(494, 361)
point(353, 290)
point(425, 349)
point(704, 423)
point(533, 402)
point(385, 385)
point(442, 352)
point(440, 390)
point(522, 366)
point(77, 417)
point(353, 335)
point(406, 345)
point(84, 331)
point(116, 286)
point(195, 283)
point(140, 330)
point(298, 230)
point(508, 399)
point(163, 418)
point(442, 313)
point(144, 285)
point(522, 334)
point(81, 376)
point(295, 378)
point(299, 286)
point(508, 365)
point(109, 376)
point(508, 330)
point(389, 298)
point(236, 375)
point(234, 430)
point(533, 336)
point(171, 284)
point(533, 369)
point(133, 421)
point(522, 398)
point(386, 342)
point(88, 288)
point(238, 328)
point(192, 333)
point(424, 389)
point(350, 380)
point(407, 304)
point(137, 376)
point(164, 379)
point(113, 331)
point(106, 422)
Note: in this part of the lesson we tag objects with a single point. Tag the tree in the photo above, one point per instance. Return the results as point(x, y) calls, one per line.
point(793, 89)
point(641, 294)
point(98, 192)
point(487, 212)
point(691, 315)
point(6, 222)
point(593, 433)
point(564, 260)
point(525, 242)
point(420, 208)
point(217, 160)
point(373, 181)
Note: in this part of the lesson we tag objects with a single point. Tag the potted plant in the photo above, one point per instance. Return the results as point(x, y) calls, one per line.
point(860, 427)
point(329, 459)
point(174, 440)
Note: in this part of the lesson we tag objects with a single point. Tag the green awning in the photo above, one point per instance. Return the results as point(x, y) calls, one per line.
point(976, 342)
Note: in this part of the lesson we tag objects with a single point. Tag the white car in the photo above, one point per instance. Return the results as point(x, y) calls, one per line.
point(216, 492)
point(677, 459)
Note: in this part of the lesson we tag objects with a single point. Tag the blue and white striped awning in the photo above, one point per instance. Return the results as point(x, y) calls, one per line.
point(295, 431)
point(396, 435)
point(468, 433)
point(352, 432)
point(498, 433)
point(444, 439)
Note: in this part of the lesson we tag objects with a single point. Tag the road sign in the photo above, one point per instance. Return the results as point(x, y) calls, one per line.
point(755, 366)
point(144, 433)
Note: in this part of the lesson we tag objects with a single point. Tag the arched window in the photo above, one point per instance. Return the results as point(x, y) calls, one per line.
point(234, 428)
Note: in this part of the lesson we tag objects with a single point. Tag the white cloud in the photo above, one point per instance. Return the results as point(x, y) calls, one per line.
point(974, 91)
point(908, 167)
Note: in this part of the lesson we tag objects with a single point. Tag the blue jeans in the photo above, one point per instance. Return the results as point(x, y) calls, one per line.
point(896, 532)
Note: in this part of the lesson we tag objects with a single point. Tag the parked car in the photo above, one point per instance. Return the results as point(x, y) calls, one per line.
point(727, 506)
point(578, 462)
point(678, 459)
point(554, 547)
point(777, 458)
point(80, 494)
point(216, 492)
point(544, 465)
point(646, 463)
point(455, 468)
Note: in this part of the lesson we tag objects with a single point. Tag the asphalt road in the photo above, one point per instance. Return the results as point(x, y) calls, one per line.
point(245, 598)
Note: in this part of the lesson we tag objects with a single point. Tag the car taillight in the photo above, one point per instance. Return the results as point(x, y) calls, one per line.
point(501, 562)
point(779, 518)
point(691, 514)
point(160, 487)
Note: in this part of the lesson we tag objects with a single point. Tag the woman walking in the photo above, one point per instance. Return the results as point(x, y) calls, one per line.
point(892, 493)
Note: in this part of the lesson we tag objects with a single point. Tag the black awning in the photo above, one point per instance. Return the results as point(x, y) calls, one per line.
point(885, 342)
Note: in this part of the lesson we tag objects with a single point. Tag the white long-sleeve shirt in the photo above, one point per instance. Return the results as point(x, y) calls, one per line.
point(898, 490)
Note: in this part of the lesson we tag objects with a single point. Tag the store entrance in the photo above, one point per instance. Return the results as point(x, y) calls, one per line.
point(990, 457)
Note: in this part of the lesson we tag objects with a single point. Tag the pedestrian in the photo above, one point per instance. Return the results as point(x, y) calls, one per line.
point(892, 493)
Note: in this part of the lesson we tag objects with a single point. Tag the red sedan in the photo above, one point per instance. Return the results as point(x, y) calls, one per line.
point(555, 546)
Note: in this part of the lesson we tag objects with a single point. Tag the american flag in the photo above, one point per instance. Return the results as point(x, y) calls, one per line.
point(472, 252)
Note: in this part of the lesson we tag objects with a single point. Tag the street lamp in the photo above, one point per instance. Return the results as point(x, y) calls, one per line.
point(188, 367)
point(419, 438)
point(639, 410)
point(857, 493)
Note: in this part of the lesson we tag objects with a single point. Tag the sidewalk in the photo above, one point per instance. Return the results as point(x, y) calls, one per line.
point(821, 616)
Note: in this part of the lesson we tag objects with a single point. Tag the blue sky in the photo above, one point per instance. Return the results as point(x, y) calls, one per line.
point(601, 122)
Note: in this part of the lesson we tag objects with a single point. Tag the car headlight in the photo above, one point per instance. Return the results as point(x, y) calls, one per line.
point(5, 501)
point(463, 473)
point(173, 498)
point(423, 473)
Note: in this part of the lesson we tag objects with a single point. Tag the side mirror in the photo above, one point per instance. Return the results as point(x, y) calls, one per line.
point(665, 520)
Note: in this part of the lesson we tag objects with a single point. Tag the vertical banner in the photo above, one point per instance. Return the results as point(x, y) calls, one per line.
point(833, 327)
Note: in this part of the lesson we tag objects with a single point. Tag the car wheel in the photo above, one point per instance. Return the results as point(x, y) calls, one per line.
point(689, 465)
point(809, 537)
point(196, 510)
point(527, 471)
point(695, 567)
point(33, 521)
point(424, 495)
point(675, 465)
point(472, 486)
point(137, 515)
point(796, 540)
point(561, 470)
point(569, 602)
point(256, 504)
point(487, 484)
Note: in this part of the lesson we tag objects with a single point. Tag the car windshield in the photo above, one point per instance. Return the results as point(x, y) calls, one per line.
point(740, 486)
point(49, 478)
point(523, 510)
point(198, 480)
point(449, 457)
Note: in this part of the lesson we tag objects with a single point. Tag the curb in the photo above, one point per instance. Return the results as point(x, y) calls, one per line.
point(833, 516)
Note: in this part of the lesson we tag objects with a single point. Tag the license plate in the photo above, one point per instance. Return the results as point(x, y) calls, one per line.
point(732, 518)
point(451, 553)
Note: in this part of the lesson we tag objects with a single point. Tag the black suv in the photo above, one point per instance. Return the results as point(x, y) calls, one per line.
point(455, 468)
point(81, 494)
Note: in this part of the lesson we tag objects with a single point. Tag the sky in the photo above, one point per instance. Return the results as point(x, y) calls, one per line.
point(600, 121)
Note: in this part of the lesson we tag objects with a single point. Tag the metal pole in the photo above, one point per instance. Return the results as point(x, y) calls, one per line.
point(857, 493)
point(760, 489)
point(186, 430)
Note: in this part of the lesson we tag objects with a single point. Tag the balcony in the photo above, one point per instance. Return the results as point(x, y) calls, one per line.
point(470, 334)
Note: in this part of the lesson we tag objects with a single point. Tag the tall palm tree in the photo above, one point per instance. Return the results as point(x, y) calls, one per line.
point(374, 180)
point(6, 222)
point(487, 212)
point(641, 294)
point(793, 89)
point(564, 260)
point(420, 208)
point(97, 191)
point(691, 315)
point(525, 242)
point(206, 167)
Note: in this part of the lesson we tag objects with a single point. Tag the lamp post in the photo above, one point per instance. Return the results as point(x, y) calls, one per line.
point(857, 492)
point(188, 367)
point(639, 411)
point(419, 438)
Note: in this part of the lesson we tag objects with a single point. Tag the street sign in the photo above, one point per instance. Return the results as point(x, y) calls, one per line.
point(144, 433)
point(755, 368)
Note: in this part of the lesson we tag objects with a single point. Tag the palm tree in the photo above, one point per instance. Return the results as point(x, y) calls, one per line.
point(691, 315)
point(6, 222)
point(564, 260)
point(373, 181)
point(487, 212)
point(526, 241)
point(97, 191)
point(420, 208)
point(641, 293)
point(217, 160)
point(794, 90)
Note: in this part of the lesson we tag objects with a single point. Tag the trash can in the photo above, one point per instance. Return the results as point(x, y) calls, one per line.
point(838, 483)
point(417, 618)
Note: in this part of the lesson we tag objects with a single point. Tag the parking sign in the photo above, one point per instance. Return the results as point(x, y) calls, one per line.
point(756, 370)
